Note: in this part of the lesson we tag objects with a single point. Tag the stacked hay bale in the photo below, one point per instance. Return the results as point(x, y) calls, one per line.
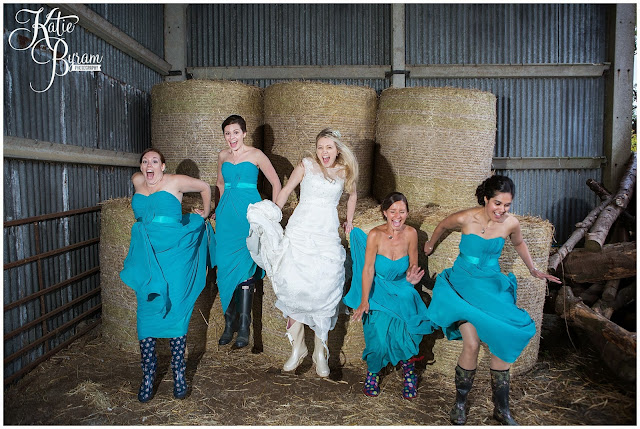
point(186, 118)
point(538, 235)
point(119, 300)
point(295, 112)
point(435, 144)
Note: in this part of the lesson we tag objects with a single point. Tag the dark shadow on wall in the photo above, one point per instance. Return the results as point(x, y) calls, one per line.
point(382, 181)
point(282, 165)
point(188, 167)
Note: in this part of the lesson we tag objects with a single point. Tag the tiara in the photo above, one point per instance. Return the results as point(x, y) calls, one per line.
point(336, 134)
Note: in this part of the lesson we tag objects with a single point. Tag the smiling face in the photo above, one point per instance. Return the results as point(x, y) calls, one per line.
point(234, 136)
point(326, 151)
point(396, 215)
point(498, 206)
point(152, 167)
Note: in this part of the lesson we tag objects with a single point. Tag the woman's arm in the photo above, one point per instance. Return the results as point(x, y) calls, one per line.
point(453, 221)
point(351, 209)
point(220, 178)
point(269, 172)
point(367, 274)
point(414, 273)
point(523, 251)
point(294, 180)
point(186, 184)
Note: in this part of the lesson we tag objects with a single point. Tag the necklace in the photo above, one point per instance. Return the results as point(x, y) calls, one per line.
point(390, 237)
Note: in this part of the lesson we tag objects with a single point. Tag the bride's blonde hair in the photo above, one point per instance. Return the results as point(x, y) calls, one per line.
point(345, 158)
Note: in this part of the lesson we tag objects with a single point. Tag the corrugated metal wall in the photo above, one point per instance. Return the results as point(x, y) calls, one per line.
point(290, 34)
point(106, 110)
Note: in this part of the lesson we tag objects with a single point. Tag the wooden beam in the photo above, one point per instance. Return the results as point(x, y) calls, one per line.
point(20, 148)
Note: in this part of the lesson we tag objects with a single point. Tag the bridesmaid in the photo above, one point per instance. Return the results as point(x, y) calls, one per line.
point(474, 301)
point(167, 264)
point(238, 168)
point(394, 318)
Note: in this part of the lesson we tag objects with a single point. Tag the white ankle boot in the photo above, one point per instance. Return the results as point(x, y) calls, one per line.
point(299, 351)
point(320, 358)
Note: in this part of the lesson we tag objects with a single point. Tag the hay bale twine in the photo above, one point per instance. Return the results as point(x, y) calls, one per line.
point(538, 234)
point(118, 300)
point(186, 118)
point(434, 144)
point(295, 112)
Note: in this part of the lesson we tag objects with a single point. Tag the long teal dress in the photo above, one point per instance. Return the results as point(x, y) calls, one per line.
point(397, 318)
point(475, 290)
point(234, 261)
point(167, 263)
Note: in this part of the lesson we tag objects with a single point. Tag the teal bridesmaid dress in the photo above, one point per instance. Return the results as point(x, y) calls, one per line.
point(397, 318)
point(167, 263)
point(475, 290)
point(234, 261)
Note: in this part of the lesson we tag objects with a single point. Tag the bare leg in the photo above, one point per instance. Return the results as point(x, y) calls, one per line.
point(468, 359)
point(498, 364)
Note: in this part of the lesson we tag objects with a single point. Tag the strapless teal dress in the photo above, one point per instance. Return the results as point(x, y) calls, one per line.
point(475, 290)
point(234, 261)
point(397, 318)
point(167, 263)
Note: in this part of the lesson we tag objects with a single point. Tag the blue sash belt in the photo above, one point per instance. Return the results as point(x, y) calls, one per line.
point(240, 185)
point(476, 261)
point(162, 219)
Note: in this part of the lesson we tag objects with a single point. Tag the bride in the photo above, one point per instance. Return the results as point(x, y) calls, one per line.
point(306, 263)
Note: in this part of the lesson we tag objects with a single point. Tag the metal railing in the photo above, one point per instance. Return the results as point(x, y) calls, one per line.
point(48, 334)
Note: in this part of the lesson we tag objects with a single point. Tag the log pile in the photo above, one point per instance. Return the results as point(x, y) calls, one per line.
point(599, 290)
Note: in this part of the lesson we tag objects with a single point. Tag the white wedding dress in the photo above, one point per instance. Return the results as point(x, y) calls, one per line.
point(306, 263)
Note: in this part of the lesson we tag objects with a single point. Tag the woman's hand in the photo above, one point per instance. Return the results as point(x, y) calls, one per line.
point(348, 227)
point(357, 313)
point(414, 274)
point(428, 248)
point(544, 276)
point(201, 213)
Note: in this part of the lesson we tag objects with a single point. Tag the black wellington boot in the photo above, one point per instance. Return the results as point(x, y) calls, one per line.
point(500, 381)
point(230, 321)
point(246, 290)
point(464, 381)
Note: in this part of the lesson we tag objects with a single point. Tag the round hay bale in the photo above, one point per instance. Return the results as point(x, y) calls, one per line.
point(118, 300)
point(186, 118)
point(295, 112)
point(538, 234)
point(435, 144)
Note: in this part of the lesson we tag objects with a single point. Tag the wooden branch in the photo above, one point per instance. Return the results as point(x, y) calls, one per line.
point(611, 289)
point(603, 194)
point(598, 188)
point(597, 235)
point(614, 261)
point(577, 314)
point(592, 294)
point(581, 228)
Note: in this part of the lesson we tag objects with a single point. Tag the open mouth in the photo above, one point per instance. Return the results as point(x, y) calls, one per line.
point(396, 223)
point(326, 159)
point(150, 174)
